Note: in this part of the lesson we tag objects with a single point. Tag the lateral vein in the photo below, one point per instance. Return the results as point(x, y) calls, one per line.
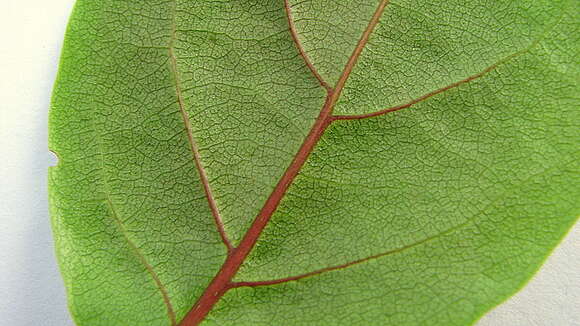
point(295, 38)
point(141, 257)
point(136, 251)
point(352, 61)
point(435, 92)
point(399, 250)
point(471, 78)
point(193, 146)
point(345, 265)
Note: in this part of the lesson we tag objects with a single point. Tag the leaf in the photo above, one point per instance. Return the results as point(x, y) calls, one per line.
point(311, 162)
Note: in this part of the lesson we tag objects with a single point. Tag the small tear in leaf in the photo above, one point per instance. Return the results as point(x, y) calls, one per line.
point(53, 158)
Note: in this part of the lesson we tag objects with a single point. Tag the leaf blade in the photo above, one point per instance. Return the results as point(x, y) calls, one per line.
point(458, 125)
point(106, 134)
point(122, 59)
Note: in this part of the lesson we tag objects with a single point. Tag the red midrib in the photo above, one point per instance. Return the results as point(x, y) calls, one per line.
point(222, 282)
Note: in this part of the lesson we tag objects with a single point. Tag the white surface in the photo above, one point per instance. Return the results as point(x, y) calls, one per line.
point(31, 290)
point(552, 297)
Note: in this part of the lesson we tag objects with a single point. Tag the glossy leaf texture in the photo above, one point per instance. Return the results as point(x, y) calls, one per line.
point(312, 162)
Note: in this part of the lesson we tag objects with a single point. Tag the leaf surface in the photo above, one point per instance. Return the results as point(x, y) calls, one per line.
point(311, 162)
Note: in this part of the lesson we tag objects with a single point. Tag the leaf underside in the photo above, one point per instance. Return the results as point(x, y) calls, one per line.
point(337, 162)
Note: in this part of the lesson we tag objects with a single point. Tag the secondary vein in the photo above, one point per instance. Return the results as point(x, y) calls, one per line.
point(446, 88)
point(399, 250)
point(136, 251)
point(348, 264)
point(141, 257)
point(352, 61)
point(294, 33)
point(193, 146)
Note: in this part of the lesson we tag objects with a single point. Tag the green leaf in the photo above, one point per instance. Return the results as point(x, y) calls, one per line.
point(311, 162)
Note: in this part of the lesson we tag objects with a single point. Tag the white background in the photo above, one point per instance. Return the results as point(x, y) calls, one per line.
point(31, 290)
